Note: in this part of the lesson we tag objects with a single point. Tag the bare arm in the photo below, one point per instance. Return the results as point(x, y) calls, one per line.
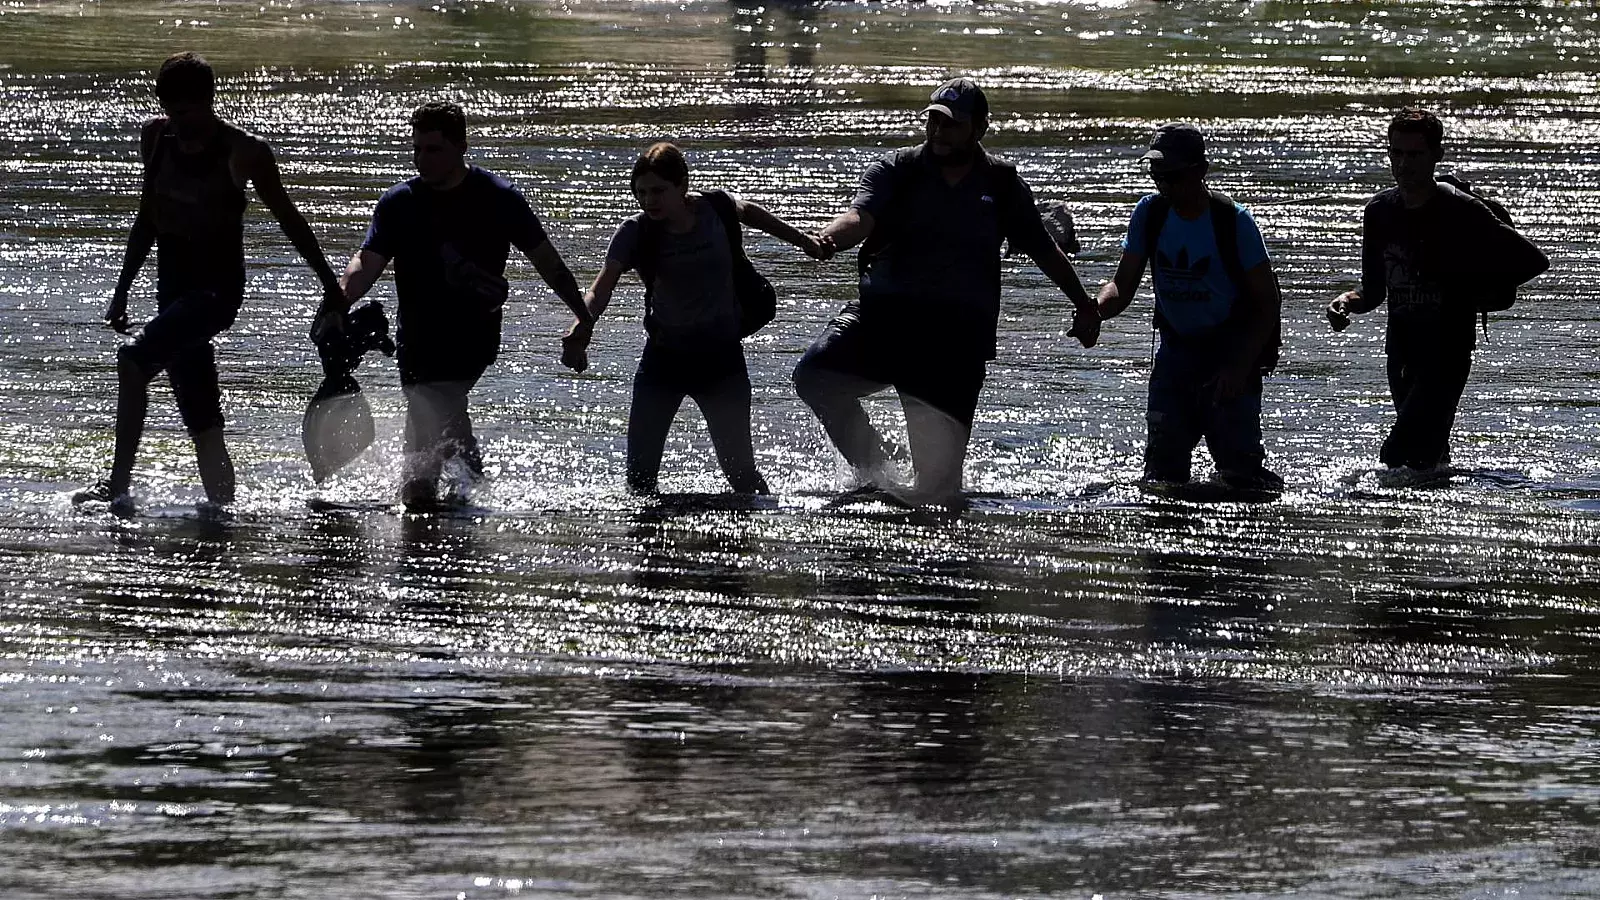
point(263, 173)
point(1116, 294)
point(758, 217)
point(599, 294)
point(140, 238)
point(1264, 307)
point(575, 346)
point(1266, 302)
point(359, 276)
point(553, 269)
point(1086, 317)
point(850, 228)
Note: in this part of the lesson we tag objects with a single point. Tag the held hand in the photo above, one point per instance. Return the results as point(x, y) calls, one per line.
point(823, 246)
point(1086, 327)
point(575, 346)
point(328, 324)
point(1339, 311)
point(330, 318)
point(574, 358)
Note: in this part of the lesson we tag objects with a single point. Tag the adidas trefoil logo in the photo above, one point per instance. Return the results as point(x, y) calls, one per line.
point(1184, 283)
point(1179, 268)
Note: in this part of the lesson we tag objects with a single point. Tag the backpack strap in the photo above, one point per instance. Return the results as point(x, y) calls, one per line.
point(1225, 229)
point(1452, 184)
point(727, 211)
point(1155, 219)
point(646, 254)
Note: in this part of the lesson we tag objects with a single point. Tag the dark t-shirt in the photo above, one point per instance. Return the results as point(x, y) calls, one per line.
point(480, 219)
point(1430, 263)
point(937, 280)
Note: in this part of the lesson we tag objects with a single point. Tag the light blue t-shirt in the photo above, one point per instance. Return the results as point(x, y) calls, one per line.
point(1193, 291)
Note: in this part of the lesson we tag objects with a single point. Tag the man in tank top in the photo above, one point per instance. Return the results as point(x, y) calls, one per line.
point(191, 210)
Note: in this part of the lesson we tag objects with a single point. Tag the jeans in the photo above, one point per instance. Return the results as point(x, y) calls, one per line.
point(717, 380)
point(1182, 410)
point(178, 340)
point(438, 427)
point(1426, 384)
point(938, 392)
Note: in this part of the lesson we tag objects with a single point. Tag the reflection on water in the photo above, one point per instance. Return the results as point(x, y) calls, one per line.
point(1073, 689)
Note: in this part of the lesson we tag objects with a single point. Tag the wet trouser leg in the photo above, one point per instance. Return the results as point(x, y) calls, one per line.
point(193, 374)
point(1426, 389)
point(1173, 421)
point(842, 366)
point(437, 427)
point(725, 404)
point(1182, 409)
point(1233, 435)
point(718, 381)
point(133, 404)
point(177, 340)
point(656, 398)
point(939, 406)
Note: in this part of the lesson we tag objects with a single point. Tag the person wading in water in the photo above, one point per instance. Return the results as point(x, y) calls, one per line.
point(687, 248)
point(191, 210)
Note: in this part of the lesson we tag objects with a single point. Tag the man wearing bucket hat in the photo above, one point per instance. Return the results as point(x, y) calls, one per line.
point(1217, 309)
point(930, 220)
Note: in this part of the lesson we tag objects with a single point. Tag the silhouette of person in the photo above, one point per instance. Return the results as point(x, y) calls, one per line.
point(191, 210)
point(450, 230)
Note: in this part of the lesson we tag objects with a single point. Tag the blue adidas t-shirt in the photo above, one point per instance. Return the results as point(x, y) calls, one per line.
point(1193, 290)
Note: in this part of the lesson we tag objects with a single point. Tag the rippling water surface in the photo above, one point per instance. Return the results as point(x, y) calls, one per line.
point(1072, 690)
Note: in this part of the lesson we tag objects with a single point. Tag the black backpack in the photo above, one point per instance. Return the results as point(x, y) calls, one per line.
point(1225, 229)
point(1495, 298)
point(758, 302)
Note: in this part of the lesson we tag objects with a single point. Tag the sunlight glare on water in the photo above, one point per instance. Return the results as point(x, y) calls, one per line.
point(1073, 689)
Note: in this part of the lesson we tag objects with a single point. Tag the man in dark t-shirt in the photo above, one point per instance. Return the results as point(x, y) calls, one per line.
point(931, 221)
point(449, 231)
point(1432, 252)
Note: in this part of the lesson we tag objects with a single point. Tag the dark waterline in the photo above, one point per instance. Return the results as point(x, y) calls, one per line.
point(1074, 689)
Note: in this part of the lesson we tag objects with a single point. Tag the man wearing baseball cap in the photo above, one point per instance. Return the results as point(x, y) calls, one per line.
point(1217, 309)
point(930, 220)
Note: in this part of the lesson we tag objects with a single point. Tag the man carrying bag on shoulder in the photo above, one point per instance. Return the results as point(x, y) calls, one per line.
point(1218, 311)
point(1439, 256)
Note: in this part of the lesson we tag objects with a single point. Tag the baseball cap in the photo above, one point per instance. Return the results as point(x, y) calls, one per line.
point(1176, 145)
point(960, 99)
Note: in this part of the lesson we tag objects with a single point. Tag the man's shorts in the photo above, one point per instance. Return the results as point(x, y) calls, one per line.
point(178, 340)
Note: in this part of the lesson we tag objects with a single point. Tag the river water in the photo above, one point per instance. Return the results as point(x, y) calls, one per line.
point(1072, 690)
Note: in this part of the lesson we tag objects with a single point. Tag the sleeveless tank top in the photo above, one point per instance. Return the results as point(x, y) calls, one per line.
point(196, 199)
point(199, 216)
